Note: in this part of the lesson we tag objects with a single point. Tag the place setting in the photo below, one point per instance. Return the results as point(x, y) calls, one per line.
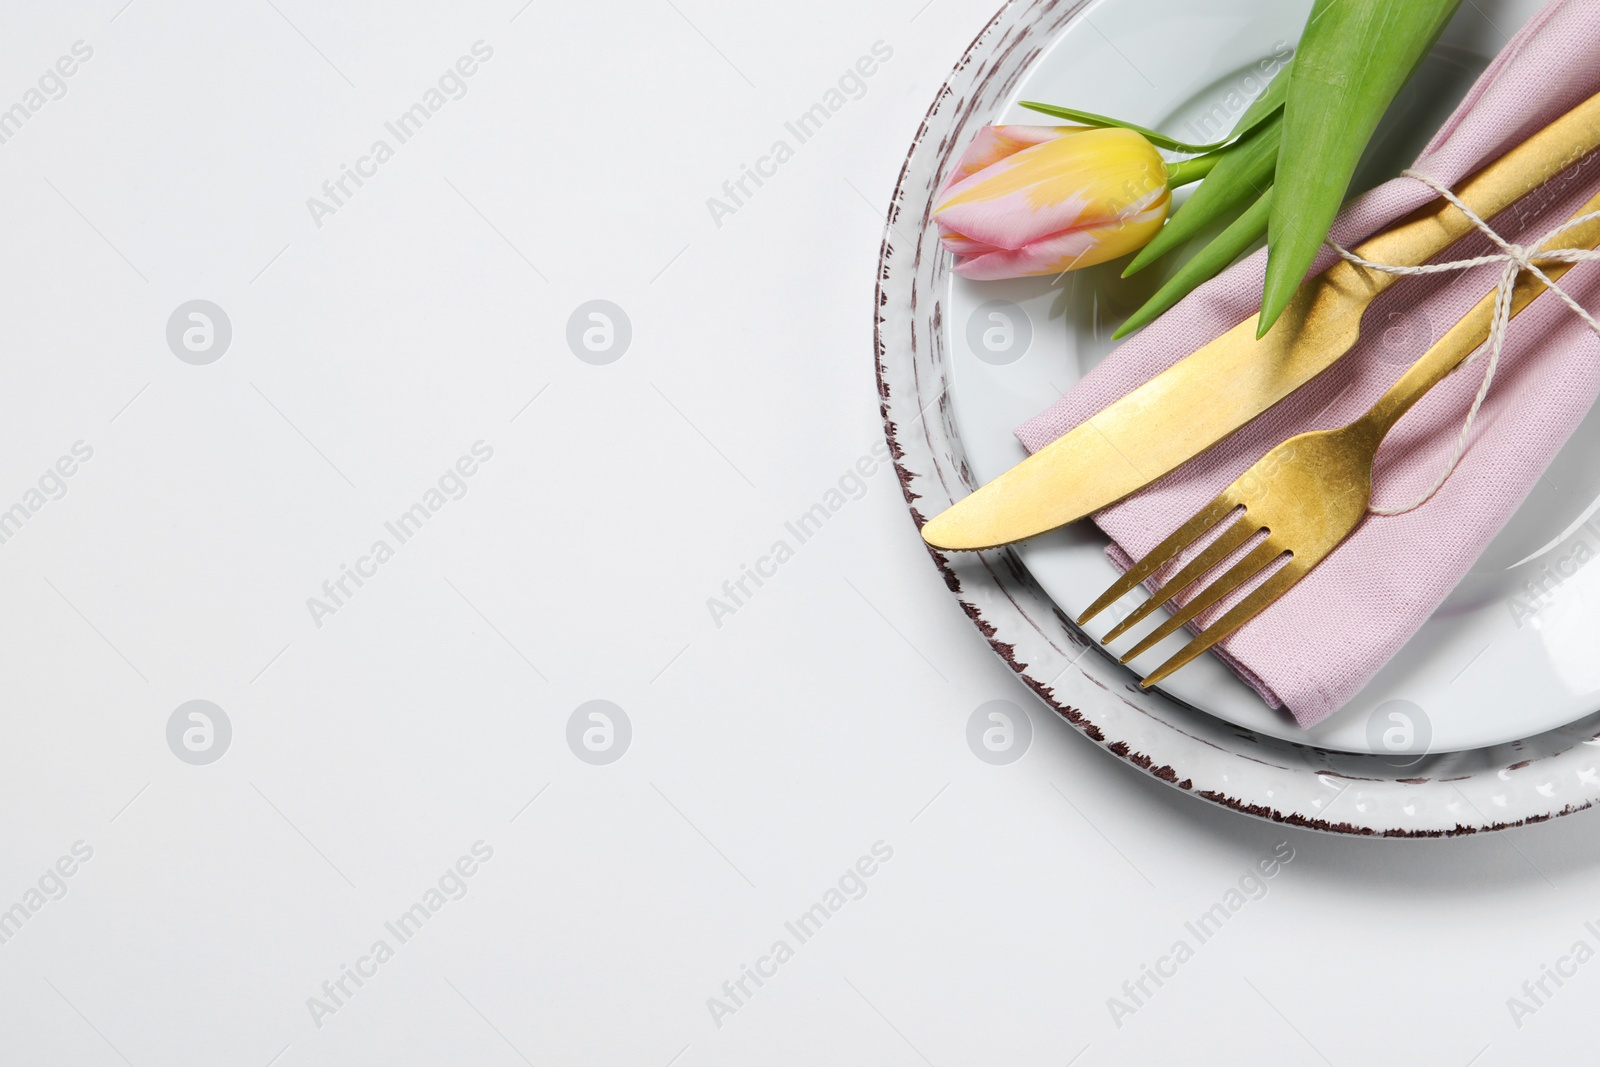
point(1239, 362)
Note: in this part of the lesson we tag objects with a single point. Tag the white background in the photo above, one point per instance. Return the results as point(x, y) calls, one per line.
point(828, 713)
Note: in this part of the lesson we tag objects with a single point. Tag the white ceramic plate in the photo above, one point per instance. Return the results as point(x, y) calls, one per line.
point(940, 458)
point(1493, 664)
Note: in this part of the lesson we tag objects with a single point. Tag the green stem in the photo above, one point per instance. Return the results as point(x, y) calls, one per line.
point(1245, 169)
point(1185, 171)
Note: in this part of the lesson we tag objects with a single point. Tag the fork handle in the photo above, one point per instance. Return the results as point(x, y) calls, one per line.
point(1465, 337)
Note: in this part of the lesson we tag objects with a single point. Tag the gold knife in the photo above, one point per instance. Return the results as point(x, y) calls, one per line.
point(1220, 387)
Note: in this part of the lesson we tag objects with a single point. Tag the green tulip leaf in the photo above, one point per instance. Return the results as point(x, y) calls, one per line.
point(1261, 109)
point(1205, 265)
point(1265, 105)
point(1089, 118)
point(1242, 172)
point(1353, 58)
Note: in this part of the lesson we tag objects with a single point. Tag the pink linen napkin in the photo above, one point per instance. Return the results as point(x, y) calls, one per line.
point(1315, 648)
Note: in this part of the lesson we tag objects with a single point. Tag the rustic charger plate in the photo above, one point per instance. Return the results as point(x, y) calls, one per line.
point(1496, 662)
point(1411, 792)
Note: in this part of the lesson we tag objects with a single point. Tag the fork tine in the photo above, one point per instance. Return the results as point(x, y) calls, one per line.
point(1237, 575)
point(1158, 556)
point(1217, 551)
point(1241, 613)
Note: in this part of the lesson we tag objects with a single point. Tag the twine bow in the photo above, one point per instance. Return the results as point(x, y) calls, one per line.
point(1515, 259)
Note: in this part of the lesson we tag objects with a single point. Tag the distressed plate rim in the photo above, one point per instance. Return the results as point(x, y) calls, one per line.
point(1513, 784)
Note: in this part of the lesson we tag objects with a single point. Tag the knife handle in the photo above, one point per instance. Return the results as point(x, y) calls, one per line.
point(1426, 233)
point(1469, 334)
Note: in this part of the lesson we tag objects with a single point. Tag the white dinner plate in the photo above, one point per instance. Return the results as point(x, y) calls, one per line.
point(940, 456)
point(1494, 663)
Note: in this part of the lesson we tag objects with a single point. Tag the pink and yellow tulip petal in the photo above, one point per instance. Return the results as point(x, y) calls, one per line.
point(1038, 200)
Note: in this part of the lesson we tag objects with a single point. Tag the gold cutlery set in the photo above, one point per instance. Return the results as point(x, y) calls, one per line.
point(1304, 497)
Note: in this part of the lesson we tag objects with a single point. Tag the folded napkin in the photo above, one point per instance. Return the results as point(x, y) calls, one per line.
point(1315, 648)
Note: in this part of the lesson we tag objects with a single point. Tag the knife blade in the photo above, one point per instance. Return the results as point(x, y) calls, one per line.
point(1226, 383)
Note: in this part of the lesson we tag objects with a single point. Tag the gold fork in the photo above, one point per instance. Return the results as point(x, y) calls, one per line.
point(1305, 496)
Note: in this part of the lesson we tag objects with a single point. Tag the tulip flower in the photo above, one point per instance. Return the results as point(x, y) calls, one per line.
point(1283, 172)
point(1030, 200)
